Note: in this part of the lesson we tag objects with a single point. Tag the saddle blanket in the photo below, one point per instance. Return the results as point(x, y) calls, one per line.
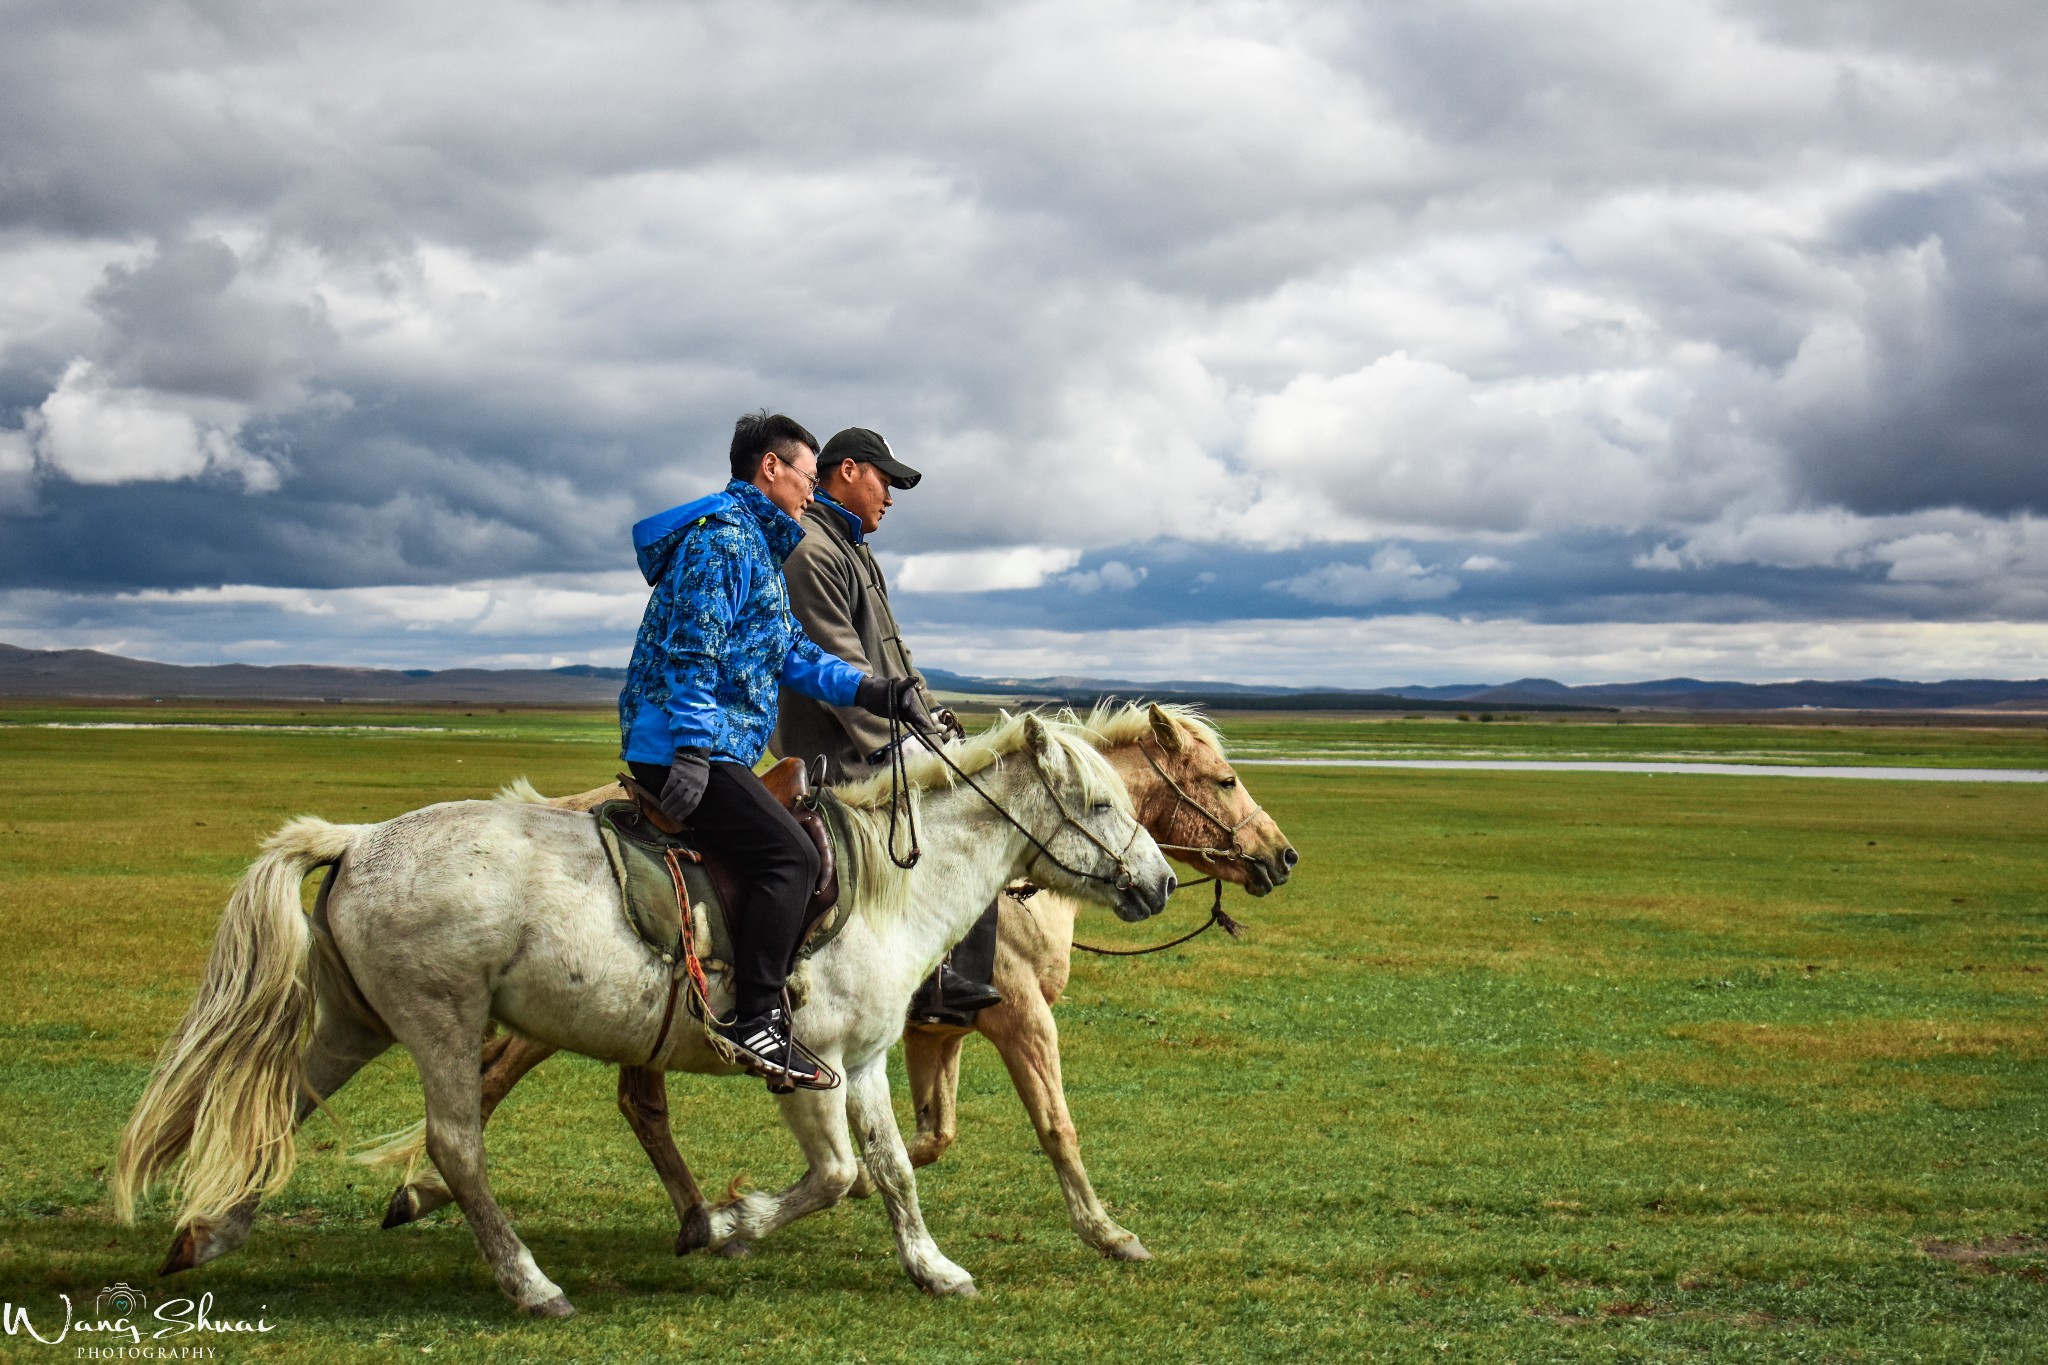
point(655, 904)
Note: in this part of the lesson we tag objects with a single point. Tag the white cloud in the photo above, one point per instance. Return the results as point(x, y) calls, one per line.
point(1393, 576)
point(1022, 566)
point(1407, 443)
point(94, 432)
point(517, 608)
point(1948, 546)
point(1392, 651)
point(1113, 576)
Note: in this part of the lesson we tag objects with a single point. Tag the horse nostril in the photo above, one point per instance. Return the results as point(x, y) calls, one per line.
point(1172, 883)
point(1288, 857)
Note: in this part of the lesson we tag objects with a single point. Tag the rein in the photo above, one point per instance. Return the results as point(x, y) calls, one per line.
point(899, 792)
point(1216, 918)
point(899, 798)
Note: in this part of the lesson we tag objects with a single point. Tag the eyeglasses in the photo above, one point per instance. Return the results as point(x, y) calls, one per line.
point(810, 477)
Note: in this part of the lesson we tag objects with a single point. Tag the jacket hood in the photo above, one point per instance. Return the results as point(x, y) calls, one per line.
point(655, 539)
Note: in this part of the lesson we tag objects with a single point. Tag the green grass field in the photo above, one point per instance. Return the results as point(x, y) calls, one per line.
point(1522, 1067)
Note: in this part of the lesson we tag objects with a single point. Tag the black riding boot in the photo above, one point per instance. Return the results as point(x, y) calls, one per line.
point(959, 989)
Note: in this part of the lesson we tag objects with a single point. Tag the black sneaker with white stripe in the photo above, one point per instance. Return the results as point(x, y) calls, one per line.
point(767, 1048)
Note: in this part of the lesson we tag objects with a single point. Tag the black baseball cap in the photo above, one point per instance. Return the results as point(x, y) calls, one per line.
point(868, 447)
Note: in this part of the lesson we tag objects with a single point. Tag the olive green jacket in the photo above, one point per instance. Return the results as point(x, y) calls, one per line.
point(836, 591)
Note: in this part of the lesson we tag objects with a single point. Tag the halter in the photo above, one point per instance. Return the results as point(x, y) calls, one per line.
point(1182, 797)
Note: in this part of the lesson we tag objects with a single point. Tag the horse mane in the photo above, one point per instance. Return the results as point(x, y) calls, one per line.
point(924, 771)
point(863, 807)
point(1115, 723)
point(520, 792)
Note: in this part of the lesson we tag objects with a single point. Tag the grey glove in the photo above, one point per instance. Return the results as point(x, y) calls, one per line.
point(687, 774)
point(886, 697)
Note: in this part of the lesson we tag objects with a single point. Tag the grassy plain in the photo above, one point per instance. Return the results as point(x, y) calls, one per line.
point(1523, 1066)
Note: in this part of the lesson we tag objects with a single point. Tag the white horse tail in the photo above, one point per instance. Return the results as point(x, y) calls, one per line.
point(226, 1087)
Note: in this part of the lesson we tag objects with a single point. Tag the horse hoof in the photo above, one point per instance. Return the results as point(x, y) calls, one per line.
point(966, 1289)
point(1129, 1249)
point(696, 1233)
point(736, 1249)
point(184, 1253)
point(557, 1307)
point(863, 1186)
point(403, 1208)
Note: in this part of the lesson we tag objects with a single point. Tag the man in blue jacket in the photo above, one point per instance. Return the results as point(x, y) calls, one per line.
point(700, 703)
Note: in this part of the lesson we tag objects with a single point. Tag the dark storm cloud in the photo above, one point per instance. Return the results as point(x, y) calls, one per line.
point(1938, 393)
point(396, 295)
point(178, 324)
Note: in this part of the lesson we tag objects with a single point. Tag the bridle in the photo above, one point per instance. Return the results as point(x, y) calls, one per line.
point(1235, 853)
point(900, 802)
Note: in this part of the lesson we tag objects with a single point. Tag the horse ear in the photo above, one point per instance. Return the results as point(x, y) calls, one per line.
point(1166, 729)
point(1035, 737)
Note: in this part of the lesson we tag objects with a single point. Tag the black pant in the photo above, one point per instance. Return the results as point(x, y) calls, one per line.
point(740, 822)
point(974, 957)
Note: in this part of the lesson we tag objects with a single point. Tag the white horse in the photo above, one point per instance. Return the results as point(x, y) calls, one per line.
point(1189, 799)
point(451, 917)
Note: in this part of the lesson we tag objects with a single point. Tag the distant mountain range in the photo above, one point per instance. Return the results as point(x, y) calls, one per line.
point(1672, 694)
point(89, 673)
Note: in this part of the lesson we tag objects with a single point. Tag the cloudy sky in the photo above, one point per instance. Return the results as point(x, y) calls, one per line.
point(1358, 343)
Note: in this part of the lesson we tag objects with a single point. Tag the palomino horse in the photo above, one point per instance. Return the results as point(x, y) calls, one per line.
point(452, 917)
point(1191, 799)
point(1186, 795)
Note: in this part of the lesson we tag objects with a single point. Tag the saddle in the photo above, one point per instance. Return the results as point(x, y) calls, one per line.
point(638, 837)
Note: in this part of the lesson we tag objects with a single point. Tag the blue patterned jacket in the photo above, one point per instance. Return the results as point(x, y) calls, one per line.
point(718, 635)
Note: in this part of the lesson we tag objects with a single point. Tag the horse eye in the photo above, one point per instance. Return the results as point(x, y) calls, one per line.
point(1226, 782)
point(1102, 807)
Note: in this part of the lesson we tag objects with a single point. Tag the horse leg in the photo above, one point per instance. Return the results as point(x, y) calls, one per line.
point(643, 1099)
point(932, 1057)
point(1023, 1031)
point(340, 1047)
point(506, 1060)
point(455, 1140)
point(933, 1060)
point(817, 1119)
point(874, 1117)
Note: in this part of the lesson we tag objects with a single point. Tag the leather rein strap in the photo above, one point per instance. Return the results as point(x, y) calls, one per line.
point(1216, 917)
point(899, 796)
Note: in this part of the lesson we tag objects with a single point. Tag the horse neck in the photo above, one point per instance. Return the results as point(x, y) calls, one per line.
point(970, 853)
point(1151, 800)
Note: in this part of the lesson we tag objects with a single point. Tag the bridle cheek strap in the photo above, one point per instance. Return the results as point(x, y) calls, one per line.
point(1182, 797)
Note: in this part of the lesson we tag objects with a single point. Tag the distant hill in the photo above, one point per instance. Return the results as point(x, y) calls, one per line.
point(1530, 694)
point(90, 673)
point(1693, 694)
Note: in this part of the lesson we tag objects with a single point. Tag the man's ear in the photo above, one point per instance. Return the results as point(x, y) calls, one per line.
point(1165, 729)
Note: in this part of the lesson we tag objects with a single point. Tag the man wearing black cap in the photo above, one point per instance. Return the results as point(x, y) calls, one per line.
point(836, 591)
